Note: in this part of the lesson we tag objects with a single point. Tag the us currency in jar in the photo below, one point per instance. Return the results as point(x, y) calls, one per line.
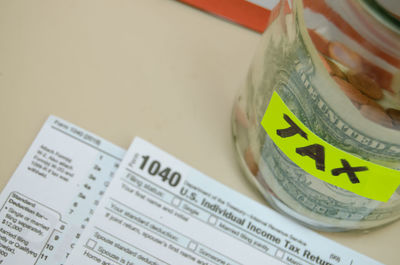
point(329, 103)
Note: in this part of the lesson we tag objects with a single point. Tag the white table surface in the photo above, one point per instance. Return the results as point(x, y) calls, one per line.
point(152, 68)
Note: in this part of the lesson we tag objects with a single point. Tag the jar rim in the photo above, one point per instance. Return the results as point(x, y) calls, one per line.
point(382, 14)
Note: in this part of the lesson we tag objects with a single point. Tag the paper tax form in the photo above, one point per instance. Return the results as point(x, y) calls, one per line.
point(53, 192)
point(160, 211)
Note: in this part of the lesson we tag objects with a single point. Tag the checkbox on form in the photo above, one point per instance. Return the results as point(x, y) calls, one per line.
point(212, 220)
point(176, 201)
point(192, 246)
point(91, 243)
point(279, 253)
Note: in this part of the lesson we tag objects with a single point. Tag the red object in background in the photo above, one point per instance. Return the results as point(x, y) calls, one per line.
point(242, 12)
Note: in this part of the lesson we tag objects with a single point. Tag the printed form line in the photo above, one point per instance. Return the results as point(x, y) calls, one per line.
point(211, 213)
point(84, 142)
point(98, 228)
point(182, 235)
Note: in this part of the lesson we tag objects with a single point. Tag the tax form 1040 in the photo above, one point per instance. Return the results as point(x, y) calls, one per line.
point(159, 210)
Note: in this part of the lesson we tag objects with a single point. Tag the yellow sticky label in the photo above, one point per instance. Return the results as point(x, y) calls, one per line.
point(323, 160)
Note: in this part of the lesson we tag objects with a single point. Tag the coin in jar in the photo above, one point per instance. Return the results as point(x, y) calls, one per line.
point(365, 84)
point(377, 115)
point(344, 55)
point(251, 162)
point(332, 68)
point(395, 115)
point(351, 92)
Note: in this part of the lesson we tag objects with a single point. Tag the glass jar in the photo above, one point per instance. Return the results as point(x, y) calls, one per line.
point(335, 65)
